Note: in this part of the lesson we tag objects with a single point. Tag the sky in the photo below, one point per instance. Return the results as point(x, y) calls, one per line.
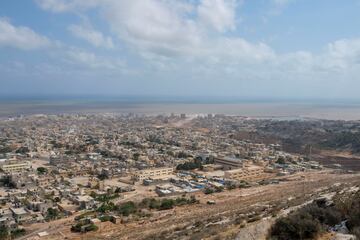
point(301, 49)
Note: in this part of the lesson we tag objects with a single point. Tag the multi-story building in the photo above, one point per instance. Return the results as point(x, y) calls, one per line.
point(21, 215)
point(10, 166)
point(152, 173)
point(250, 173)
point(229, 163)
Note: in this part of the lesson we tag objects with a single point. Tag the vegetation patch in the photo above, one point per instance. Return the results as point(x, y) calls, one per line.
point(319, 216)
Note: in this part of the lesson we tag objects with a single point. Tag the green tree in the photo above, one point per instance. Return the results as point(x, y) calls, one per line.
point(208, 191)
point(154, 204)
point(127, 208)
point(136, 156)
point(167, 204)
point(17, 233)
point(4, 232)
point(281, 160)
point(52, 213)
point(106, 207)
point(41, 170)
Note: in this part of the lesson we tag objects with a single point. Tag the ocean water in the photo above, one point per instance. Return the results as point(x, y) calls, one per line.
point(256, 109)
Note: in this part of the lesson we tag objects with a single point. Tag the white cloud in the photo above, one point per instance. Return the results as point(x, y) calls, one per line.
point(89, 59)
point(341, 54)
point(242, 50)
point(20, 37)
point(345, 49)
point(188, 38)
point(92, 36)
point(150, 25)
point(169, 35)
point(157, 27)
point(172, 30)
point(218, 14)
point(66, 5)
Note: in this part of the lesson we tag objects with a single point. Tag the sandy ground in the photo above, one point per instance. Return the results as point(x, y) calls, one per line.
point(347, 160)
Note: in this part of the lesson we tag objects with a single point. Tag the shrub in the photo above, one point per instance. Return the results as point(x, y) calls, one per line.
point(41, 170)
point(4, 232)
point(300, 225)
point(356, 232)
point(310, 220)
point(181, 201)
point(154, 204)
point(91, 227)
point(105, 218)
point(281, 160)
point(76, 227)
point(353, 219)
point(107, 207)
point(188, 166)
point(328, 216)
point(208, 191)
point(127, 208)
point(231, 186)
point(52, 213)
point(167, 204)
point(18, 232)
point(86, 228)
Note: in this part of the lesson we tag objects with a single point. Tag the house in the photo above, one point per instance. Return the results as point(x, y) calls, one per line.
point(38, 206)
point(84, 201)
point(21, 215)
point(67, 208)
point(6, 219)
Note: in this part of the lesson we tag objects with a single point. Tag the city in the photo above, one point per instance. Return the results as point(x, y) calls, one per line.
point(99, 171)
point(179, 120)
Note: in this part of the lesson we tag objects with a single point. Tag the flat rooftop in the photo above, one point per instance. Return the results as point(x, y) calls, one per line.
point(229, 159)
point(19, 211)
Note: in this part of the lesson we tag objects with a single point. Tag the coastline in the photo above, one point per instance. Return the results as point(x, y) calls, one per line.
point(276, 110)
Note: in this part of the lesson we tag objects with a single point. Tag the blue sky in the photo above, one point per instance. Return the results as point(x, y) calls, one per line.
point(239, 48)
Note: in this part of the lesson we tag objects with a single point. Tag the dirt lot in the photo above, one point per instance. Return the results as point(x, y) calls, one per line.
point(347, 160)
point(217, 221)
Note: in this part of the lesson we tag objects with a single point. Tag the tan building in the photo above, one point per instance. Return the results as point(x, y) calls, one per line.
point(229, 163)
point(152, 173)
point(11, 166)
point(250, 173)
point(21, 215)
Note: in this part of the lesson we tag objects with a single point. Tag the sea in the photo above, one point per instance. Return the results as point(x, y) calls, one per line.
point(252, 108)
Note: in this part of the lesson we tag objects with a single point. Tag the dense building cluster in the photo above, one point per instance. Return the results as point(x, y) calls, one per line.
point(55, 165)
